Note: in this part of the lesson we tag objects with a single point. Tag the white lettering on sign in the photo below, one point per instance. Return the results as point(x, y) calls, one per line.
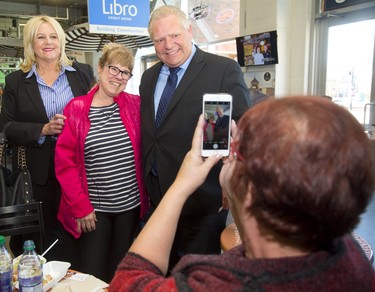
point(118, 9)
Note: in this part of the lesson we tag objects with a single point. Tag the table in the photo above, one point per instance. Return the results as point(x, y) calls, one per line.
point(66, 284)
point(230, 238)
point(88, 283)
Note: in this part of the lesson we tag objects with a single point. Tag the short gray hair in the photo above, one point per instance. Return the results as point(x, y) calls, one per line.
point(165, 11)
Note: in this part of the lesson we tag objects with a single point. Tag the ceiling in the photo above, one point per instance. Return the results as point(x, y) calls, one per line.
point(211, 20)
point(54, 3)
point(67, 12)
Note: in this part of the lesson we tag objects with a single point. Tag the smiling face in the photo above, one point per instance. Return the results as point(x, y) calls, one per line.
point(46, 44)
point(171, 40)
point(111, 85)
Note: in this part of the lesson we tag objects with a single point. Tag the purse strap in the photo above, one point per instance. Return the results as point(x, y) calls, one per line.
point(21, 154)
point(2, 149)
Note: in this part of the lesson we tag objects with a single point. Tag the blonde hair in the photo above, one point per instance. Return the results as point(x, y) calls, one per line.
point(29, 33)
point(165, 11)
point(116, 54)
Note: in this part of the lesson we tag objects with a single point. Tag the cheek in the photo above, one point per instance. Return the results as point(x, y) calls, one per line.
point(33, 46)
point(225, 175)
point(158, 47)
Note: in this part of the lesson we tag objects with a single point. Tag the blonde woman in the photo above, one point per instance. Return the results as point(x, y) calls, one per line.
point(32, 104)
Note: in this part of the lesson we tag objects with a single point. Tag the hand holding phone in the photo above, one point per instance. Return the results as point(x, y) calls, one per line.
point(217, 110)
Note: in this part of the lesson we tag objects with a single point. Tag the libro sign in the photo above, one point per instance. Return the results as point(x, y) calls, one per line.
point(128, 17)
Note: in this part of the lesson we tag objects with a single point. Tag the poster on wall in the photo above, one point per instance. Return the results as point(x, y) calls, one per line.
point(261, 84)
point(336, 4)
point(128, 17)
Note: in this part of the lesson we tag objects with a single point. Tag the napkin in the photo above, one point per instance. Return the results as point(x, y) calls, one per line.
point(80, 283)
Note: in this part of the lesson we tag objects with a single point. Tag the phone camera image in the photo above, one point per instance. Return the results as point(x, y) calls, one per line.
point(216, 134)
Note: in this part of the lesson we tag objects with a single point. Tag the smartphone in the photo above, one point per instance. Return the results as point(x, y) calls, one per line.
point(217, 111)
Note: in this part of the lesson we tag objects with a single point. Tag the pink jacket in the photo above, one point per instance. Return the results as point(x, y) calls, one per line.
point(69, 157)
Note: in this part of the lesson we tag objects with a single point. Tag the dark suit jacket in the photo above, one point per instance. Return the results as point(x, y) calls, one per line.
point(207, 73)
point(221, 128)
point(23, 107)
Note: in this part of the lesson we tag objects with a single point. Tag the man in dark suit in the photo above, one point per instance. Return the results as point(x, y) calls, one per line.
point(164, 147)
point(221, 125)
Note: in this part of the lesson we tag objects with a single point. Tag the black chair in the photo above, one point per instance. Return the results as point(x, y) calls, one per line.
point(23, 219)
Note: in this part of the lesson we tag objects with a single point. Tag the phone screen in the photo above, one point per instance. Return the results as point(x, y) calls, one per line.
point(216, 135)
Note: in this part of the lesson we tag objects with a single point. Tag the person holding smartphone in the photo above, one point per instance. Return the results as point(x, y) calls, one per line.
point(164, 147)
point(294, 206)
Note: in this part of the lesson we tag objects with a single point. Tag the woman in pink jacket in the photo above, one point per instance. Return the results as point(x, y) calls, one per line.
point(98, 164)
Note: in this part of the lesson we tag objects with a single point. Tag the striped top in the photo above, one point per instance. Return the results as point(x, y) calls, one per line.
point(109, 161)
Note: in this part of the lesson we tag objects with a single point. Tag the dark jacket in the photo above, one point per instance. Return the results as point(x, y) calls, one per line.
point(207, 73)
point(23, 107)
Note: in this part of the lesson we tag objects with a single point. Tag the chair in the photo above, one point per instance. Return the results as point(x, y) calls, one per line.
point(365, 246)
point(23, 219)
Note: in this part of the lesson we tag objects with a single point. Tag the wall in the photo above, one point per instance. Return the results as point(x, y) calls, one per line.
point(292, 19)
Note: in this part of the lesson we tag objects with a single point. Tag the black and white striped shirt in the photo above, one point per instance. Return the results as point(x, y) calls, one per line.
point(109, 161)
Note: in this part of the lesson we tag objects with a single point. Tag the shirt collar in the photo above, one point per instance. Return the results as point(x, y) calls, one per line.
point(63, 69)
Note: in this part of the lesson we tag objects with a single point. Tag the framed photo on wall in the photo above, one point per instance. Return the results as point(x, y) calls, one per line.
point(328, 5)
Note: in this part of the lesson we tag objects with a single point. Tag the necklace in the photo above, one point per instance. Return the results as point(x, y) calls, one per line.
point(106, 111)
point(99, 101)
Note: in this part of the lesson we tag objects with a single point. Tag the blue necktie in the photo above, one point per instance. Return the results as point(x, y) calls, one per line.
point(166, 95)
point(163, 104)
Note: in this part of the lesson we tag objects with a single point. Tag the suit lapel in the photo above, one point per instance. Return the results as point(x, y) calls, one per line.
point(154, 80)
point(74, 82)
point(32, 89)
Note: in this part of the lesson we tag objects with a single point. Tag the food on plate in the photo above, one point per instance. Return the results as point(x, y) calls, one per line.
point(46, 279)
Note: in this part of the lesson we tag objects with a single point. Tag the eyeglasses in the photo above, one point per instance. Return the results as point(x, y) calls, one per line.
point(234, 151)
point(114, 71)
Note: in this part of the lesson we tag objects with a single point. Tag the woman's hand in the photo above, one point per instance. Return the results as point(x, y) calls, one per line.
point(195, 168)
point(87, 223)
point(55, 125)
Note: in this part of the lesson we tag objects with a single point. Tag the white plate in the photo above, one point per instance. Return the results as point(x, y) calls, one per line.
point(57, 270)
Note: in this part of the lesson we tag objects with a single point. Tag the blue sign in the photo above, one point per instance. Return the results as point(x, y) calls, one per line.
point(119, 16)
